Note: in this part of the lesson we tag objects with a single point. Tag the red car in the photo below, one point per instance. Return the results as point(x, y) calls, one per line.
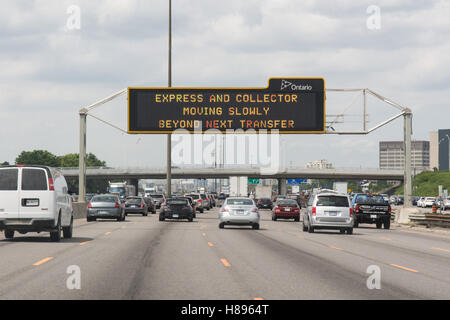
point(286, 209)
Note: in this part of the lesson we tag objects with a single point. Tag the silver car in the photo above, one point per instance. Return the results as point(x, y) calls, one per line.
point(328, 210)
point(106, 206)
point(239, 211)
point(158, 199)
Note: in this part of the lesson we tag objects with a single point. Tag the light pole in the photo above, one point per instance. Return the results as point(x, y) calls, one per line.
point(407, 127)
point(169, 135)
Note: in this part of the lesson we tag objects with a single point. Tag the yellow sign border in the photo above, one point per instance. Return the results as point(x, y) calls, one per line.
point(225, 88)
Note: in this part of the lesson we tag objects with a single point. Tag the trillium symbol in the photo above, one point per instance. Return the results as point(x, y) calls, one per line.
point(285, 84)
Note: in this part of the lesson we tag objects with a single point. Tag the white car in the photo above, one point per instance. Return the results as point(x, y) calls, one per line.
point(34, 199)
point(420, 202)
point(428, 202)
point(239, 211)
point(445, 203)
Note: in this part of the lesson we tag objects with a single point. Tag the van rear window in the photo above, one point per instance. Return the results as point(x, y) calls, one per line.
point(8, 179)
point(332, 201)
point(34, 179)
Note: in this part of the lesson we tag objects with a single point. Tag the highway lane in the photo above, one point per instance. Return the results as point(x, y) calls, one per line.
point(143, 258)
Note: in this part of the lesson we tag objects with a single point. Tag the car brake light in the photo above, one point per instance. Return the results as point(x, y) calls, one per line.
point(277, 209)
point(357, 208)
point(51, 187)
point(142, 205)
point(224, 209)
point(89, 205)
point(255, 210)
point(117, 205)
point(313, 211)
point(351, 212)
point(389, 209)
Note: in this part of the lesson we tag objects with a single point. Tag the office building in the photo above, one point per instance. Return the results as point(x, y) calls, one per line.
point(440, 149)
point(391, 155)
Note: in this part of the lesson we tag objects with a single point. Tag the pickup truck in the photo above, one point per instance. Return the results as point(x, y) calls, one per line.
point(371, 208)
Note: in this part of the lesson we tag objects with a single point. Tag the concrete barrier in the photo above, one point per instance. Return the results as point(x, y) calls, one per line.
point(403, 214)
point(79, 210)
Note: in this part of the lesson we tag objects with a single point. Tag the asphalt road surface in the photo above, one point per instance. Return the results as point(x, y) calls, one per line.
point(143, 258)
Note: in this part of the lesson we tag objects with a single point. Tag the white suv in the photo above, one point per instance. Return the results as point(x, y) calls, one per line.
point(34, 199)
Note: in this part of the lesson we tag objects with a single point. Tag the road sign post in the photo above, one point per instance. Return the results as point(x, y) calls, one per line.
point(82, 159)
point(407, 155)
point(169, 135)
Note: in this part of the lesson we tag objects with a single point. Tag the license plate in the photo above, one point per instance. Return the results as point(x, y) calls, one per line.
point(133, 206)
point(373, 216)
point(287, 209)
point(175, 215)
point(332, 213)
point(240, 211)
point(32, 202)
point(103, 212)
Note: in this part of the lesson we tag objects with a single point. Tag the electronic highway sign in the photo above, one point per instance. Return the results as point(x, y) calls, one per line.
point(290, 105)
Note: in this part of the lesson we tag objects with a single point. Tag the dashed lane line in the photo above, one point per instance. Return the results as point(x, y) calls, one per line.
point(404, 268)
point(42, 261)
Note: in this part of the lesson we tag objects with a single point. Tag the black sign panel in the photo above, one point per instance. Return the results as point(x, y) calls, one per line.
point(290, 105)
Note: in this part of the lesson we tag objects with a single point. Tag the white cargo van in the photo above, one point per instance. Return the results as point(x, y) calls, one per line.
point(34, 199)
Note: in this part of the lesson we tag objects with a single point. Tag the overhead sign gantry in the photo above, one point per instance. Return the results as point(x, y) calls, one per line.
point(290, 105)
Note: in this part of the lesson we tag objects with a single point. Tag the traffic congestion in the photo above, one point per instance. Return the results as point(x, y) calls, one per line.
point(42, 188)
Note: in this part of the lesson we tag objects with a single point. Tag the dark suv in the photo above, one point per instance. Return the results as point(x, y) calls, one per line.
point(264, 203)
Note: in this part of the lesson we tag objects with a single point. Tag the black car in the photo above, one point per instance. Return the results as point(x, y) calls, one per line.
point(221, 196)
point(212, 199)
point(400, 200)
point(192, 203)
point(264, 203)
point(176, 208)
point(136, 205)
point(150, 204)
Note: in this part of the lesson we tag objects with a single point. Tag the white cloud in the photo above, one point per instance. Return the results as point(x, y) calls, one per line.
point(49, 73)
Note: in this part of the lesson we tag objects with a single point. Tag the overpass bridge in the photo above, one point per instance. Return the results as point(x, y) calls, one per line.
point(251, 172)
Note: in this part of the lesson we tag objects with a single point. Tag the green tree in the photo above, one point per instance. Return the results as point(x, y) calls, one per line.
point(6, 163)
point(71, 160)
point(92, 185)
point(38, 157)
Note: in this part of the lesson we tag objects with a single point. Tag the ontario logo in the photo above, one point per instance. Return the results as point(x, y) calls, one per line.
point(289, 85)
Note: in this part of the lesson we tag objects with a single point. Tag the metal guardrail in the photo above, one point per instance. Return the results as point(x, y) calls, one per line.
point(441, 220)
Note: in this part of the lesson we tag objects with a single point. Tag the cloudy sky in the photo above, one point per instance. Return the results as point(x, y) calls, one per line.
point(50, 71)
